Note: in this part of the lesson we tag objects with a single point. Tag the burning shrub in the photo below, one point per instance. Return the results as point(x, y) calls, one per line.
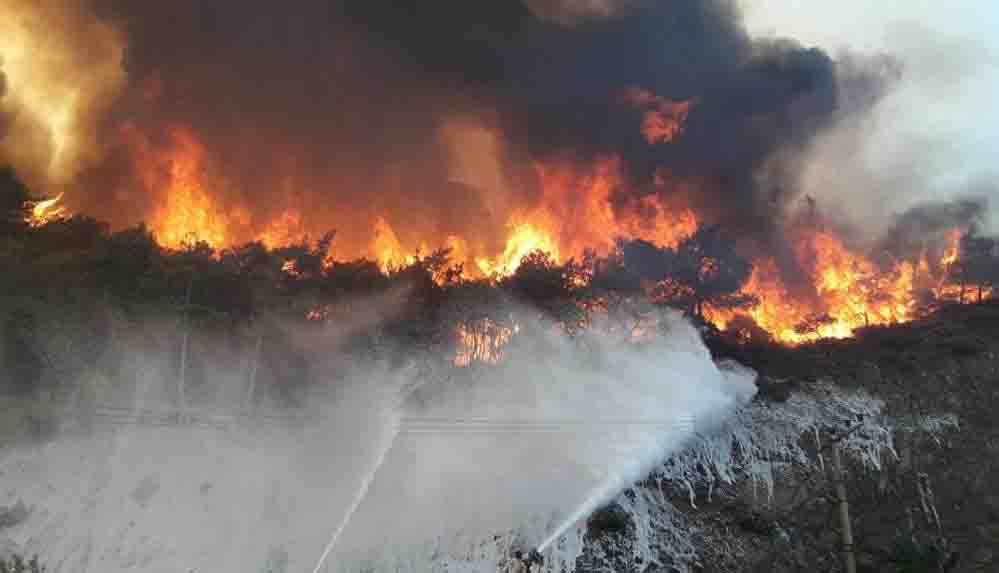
point(703, 272)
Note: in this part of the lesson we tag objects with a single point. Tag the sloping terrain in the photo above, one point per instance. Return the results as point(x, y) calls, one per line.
point(932, 505)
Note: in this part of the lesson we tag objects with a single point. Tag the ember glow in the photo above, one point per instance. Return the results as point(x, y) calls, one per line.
point(663, 120)
point(289, 268)
point(482, 342)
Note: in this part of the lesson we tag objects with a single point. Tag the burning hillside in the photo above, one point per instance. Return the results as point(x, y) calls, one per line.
point(625, 131)
point(850, 291)
point(582, 211)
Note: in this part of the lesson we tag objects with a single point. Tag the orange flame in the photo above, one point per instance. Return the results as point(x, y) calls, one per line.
point(186, 212)
point(664, 119)
point(579, 209)
point(523, 240)
point(290, 268)
point(387, 249)
point(286, 229)
point(851, 292)
point(46, 211)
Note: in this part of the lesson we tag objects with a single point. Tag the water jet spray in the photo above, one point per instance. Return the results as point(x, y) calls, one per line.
point(358, 499)
point(616, 482)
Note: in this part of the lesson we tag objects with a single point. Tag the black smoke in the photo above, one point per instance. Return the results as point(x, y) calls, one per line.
point(926, 225)
point(353, 89)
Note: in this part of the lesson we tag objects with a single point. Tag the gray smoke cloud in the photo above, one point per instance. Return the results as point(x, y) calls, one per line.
point(927, 224)
point(914, 145)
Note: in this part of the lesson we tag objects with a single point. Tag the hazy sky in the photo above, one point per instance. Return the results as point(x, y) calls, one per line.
point(942, 117)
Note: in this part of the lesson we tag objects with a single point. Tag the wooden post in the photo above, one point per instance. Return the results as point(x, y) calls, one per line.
point(252, 384)
point(181, 378)
point(846, 532)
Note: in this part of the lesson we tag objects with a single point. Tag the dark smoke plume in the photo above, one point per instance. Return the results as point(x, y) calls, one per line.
point(353, 94)
point(925, 225)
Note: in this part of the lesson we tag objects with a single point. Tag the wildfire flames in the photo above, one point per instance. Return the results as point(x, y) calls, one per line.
point(524, 239)
point(663, 119)
point(577, 212)
point(852, 292)
point(286, 229)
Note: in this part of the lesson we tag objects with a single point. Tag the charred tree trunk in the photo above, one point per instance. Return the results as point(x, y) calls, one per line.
point(846, 531)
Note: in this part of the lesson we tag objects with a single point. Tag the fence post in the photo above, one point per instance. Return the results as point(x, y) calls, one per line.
point(252, 384)
point(181, 378)
point(846, 532)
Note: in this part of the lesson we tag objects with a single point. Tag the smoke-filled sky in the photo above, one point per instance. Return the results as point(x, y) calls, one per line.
point(935, 136)
point(435, 115)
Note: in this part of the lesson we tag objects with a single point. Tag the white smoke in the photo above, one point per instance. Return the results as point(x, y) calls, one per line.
point(483, 460)
point(537, 443)
point(930, 137)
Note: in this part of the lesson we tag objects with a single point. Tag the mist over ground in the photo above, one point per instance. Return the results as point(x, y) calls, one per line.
point(467, 455)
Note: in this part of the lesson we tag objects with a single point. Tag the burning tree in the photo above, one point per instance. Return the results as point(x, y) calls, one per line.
point(547, 286)
point(615, 290)
point(977, 265)
point(703, 271)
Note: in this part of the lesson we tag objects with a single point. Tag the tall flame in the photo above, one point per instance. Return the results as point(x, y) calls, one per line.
point(186, 211)
point(387, 249)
